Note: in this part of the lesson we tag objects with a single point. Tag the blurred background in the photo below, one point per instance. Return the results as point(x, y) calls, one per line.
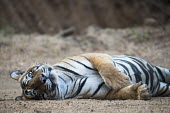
point(50, 16)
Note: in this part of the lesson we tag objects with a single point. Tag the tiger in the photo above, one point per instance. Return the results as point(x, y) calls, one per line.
point(94, 76)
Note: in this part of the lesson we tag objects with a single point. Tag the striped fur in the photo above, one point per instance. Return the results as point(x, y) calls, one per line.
point(77, 77)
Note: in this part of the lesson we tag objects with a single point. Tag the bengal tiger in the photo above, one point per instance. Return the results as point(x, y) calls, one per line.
point(94, 76)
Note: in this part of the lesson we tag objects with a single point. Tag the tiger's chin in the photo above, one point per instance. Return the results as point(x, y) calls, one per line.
point(22, 98)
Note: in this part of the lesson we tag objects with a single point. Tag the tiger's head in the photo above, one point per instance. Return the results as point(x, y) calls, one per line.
point(34, 82)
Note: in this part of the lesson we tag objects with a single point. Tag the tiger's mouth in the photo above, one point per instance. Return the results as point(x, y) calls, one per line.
point(31, 94)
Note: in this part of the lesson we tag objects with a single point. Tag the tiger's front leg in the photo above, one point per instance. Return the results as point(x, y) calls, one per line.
point(112, 77)
point(137, 91)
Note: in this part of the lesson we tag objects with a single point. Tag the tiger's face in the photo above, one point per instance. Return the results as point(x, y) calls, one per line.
point(34, 82)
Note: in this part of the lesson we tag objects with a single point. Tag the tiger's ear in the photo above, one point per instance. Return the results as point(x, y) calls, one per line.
point(16, 74)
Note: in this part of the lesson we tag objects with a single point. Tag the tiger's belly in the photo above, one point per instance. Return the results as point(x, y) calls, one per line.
point(81, 87)
point(85, 80)
point(92, 87)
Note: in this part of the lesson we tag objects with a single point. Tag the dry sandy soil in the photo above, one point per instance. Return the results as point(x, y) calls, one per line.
point(22, 51)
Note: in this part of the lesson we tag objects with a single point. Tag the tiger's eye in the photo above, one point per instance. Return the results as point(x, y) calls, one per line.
point(30, 74)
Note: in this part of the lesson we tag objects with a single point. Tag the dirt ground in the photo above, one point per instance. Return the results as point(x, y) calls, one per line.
point(21, 51)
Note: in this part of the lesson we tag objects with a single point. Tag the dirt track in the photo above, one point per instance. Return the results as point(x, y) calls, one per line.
point(156, 105)
point(22, 51)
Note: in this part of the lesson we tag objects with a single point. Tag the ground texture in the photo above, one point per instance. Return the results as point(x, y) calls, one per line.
point(22, 51)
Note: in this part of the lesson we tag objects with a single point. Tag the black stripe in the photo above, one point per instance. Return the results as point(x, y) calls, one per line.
point(157, 86)
point(114, 63)
point(143, 68)
point(66, 91)
point(67, 70)
point(43, 97)
point(167, 87)
point(68, 64)
point(137, 73)
point(107, 93)
point(23, 85)
point(58, 90)
point(126, 70)
point(62, 79)
point(43, 69)
point(158, 89)
point(138, 60)
point(151, 71)
point(82, 64)
point(161, 74)
point(68, 76)
point(74, 86)
point(86, 94)
point(53, 86)
point(80, 87)
point(154, 88)
point(161, 89)
point(98, 89)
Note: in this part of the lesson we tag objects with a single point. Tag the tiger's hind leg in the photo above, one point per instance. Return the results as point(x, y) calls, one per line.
point(137, 91)
point(163, 89)
point(112, 77)
point(163, 74)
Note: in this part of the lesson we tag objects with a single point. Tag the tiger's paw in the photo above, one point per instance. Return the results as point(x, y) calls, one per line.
point(141, 90)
